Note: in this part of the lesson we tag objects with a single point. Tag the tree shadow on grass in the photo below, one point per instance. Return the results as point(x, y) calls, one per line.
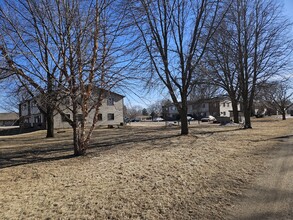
point(16, 131)
point(10, 157)
point(34, 155)
point(107, 140)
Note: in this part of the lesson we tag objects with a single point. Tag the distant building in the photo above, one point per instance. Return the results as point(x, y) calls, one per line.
point(8, 119)
point(110, 113)
point(218, 106)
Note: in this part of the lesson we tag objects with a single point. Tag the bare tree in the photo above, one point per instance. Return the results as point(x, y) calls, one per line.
point(156, 108)
point(219, 63)
point(25, 46)
point(204, 87)
point(67, 53)
point(277, 95)
point(134, 111)
point(262, 46)
point(174, 35)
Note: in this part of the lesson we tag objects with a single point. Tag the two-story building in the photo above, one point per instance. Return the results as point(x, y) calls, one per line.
point(218, 106)
point(110, 113)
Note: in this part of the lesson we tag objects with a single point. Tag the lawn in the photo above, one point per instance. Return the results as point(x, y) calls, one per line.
point(140, 171)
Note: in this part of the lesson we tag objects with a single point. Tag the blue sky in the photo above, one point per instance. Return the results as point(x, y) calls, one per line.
point(288, 9)
point(149, 99)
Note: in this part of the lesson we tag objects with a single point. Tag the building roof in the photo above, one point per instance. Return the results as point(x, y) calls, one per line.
point(8, 116)
point(37, 96)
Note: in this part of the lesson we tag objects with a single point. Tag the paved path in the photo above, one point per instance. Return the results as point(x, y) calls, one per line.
point(272, 195)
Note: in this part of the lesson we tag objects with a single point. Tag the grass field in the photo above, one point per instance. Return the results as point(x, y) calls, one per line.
point(140, 171)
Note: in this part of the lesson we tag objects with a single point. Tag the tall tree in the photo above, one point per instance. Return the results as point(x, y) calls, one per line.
point(262, 46)
point(174, 35)
point(219, 63)
point(67, 53)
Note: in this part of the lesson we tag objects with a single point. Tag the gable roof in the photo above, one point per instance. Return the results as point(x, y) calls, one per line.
point(8, 116)
point(94, 90)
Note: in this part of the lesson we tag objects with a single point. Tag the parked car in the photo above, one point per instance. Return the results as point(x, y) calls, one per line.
point(158, 119)
point(209, 119)
point(212, 118)
point(204, 120)
point(189, 118)
point(135, 120)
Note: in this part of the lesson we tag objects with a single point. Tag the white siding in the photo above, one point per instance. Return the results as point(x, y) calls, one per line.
point(105, 109)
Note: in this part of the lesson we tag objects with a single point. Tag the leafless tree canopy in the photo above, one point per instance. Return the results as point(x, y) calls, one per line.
point(276, 95)
point(263, 46)
point(65, 50)
point(251, 46)
point(173, 36)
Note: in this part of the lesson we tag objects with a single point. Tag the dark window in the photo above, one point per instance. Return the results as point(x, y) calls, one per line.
point(110, 101)
point(34, 103)
point(100, 117)
point(79, 117)
point(63, 117)
point(110, 117)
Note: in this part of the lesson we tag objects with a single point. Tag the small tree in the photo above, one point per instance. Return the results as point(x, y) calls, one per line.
point(277, 95)
point(145, 112)
point(133, 112)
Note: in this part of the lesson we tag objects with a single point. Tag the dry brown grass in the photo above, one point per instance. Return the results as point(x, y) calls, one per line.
point(135, 172)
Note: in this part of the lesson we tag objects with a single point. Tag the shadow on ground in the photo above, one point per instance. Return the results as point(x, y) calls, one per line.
point(16, 131)
point(103, 140)
point(51, 150)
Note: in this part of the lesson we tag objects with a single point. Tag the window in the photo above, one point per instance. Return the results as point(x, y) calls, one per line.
point(110, 101)
point(34, 103)
point(24, 107)
point(203, 105)
point(110, 116)
point(79, 117)
point(65, 100)
point(224, 113)
point(37, 119)
point(224, 104)
point(63, 117)
point(227, 104)
point(100, 117)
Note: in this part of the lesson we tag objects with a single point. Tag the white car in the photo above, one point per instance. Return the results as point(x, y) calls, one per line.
point(190, 118)
point(158, 119)
point(212, 118)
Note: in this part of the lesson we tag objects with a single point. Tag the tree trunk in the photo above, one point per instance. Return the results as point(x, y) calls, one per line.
point(183, 116)
point(235, 111)
point(79, 147)
point(50, 109)
point(78, 143)
point(247, 116)
point(283, 115)
point(50, 122)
